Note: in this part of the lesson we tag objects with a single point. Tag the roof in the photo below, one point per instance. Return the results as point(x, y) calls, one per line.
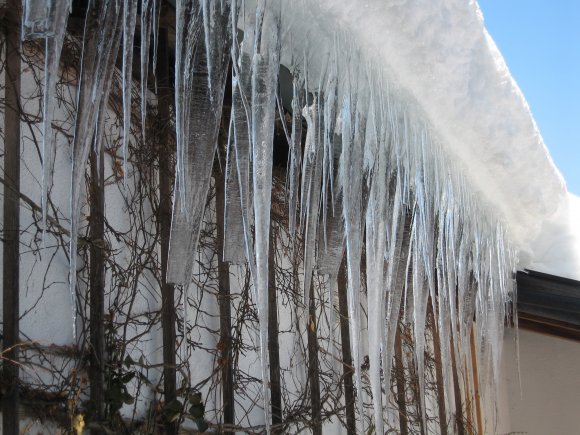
point(549, 304)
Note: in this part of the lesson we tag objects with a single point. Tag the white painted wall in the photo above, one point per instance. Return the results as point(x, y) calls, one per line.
point(549, 403)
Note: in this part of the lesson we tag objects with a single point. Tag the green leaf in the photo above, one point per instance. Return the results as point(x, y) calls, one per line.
point(172, 410)
point(127, 398)
point(197, 411)
point(129, 361)
point(195, 398)
point(143, 378)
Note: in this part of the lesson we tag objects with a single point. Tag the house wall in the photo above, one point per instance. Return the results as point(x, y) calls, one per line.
point(549, 402)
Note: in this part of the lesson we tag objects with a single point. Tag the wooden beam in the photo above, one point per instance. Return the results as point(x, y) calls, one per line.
point(165, 151)
point(224, 298)
point(438, 372)
point(313, 369)
point(400, 381)
point(543, 325)
point(348, 371)
point(273, 344)
point(457, 391)
point(469, 388)
point(476, 383)
point(11, 230)
point(97, 286)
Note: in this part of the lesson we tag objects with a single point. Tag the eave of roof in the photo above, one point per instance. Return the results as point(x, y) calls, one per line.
point(549, 304)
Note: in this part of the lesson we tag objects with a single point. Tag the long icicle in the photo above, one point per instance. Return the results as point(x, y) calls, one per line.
point(311, 185)
point(233, 250)
point(295, 153)
point(147, 23)
point(265, 65)
point(351, 185)
point(198, 111)
point(101, 44)
point(376, 221)
point(54, 41)
point(187, 36)
point(129, 23)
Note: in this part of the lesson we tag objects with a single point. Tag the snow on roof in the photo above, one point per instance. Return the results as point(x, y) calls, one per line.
point(444, 61)
point(556, 250)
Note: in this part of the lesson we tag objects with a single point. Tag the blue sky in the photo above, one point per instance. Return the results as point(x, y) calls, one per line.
point(540, 41)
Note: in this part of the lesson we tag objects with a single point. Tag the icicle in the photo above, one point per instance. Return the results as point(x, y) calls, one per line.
point(265, 65)
point(448, 222)
point(311, 185)
point(501, 298)
point(443, 324)
point(396, 278)
point(47, 19)
point(38, 19)
point(424, 194)
point(331, 253)
point(397, 254)
point(102, 38)
point(147, 22)
point(187, 35)
point(467, 286)
point(61, 10)
point(420, 298)
point(330, 109)
point(198, 115)
point(205, 13)
point(407, 299)
point(234, 251)
point(351, 185)
point(376, 221)
point(241, 114)
point(295, 154)
point(155, 29)
point(238, 218)
point(129, 23)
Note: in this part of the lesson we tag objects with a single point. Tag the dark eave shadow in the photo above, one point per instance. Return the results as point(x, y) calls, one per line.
point(549, 304)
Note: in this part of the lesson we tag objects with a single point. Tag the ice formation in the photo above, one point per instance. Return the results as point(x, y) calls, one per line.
point(200, 75)
point(419, 151)
point(47, 19)
point(129, 22)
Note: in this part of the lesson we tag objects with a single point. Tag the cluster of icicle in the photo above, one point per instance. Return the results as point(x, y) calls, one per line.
point(369, 176)
point(108, 23)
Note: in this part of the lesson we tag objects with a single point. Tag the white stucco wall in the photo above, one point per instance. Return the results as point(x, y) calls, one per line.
point(549, 402)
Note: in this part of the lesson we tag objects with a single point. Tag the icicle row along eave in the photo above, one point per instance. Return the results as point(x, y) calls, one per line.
point(433, 186)
point(382, 137)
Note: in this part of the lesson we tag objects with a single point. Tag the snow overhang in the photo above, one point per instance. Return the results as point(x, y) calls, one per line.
point(438, 57)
